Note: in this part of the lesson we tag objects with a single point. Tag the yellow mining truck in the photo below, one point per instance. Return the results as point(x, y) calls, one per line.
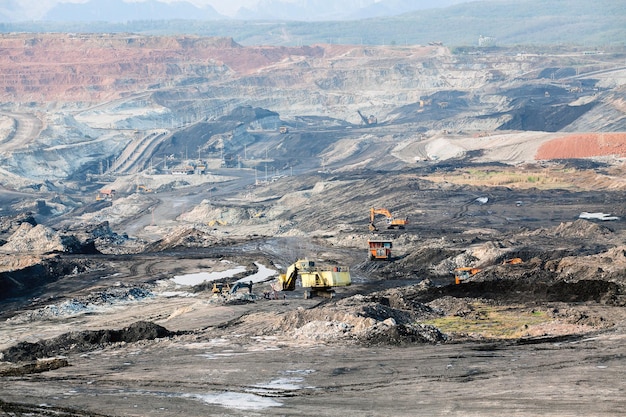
point(316, 280)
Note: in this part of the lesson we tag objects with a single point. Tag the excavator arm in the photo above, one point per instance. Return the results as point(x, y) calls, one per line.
point(373, 213)
point(287, 281)
point(315, 279)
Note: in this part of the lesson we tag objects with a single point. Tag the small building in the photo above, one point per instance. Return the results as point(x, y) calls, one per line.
point(184, 170)
point(486, 41)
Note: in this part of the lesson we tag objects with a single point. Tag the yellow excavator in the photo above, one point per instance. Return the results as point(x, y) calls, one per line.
point(392, 222)
point(143, 189)
point(316, 280)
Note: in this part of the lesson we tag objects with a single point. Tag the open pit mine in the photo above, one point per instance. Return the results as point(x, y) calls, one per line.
point(194, 227)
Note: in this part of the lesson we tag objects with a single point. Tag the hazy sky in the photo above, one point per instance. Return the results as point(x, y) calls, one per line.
point(37, 8)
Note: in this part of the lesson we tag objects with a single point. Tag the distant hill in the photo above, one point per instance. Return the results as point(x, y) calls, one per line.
point(502, 23)
point(321, 10)
point(120, 11)
point(128, 10)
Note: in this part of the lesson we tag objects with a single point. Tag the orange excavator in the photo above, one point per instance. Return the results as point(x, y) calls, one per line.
point(464, 273)
point(392, 222)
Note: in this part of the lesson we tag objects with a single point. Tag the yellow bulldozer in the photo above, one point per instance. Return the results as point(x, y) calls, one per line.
point(316, 280)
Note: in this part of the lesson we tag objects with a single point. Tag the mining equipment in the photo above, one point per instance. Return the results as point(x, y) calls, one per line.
point(368, 121)
point(143, 189)
point(392, 222)
point(241, 284)
point(220, 287)
point(216, 222)
point(105, 195)
point(283, 129)
point(464, 273)
point(379, 250)
point(316, 280)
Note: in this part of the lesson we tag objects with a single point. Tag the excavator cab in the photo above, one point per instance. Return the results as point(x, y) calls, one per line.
point(464, 273)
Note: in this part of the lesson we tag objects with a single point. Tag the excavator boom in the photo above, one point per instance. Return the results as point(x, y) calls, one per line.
point(287, 281)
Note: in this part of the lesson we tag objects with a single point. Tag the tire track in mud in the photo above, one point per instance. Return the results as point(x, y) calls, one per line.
point(144, 268)
point(19, 409)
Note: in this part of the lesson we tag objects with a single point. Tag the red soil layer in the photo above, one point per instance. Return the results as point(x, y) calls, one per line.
point(98, 67)
point(583, 145)
point(42, 67)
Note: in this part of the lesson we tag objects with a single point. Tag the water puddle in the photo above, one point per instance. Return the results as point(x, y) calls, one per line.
point(237, 400)
point(263, 274)
point(277, 385)
point(200, 277)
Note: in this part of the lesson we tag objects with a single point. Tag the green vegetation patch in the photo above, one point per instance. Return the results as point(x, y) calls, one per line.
point(514, 178)
point(491, 322)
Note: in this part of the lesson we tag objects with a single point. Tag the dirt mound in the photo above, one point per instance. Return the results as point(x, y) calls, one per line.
point(83, 341)
point(41, 239)
point(577, 229)
point(211, 214)
point(9, 224)
point(33, 367)
point(82, 305)
point(607, 265)
point(386, 318)
point(185, 237)
point(403, 334)
point(532, 290)
point(37, 272)
point(585, 145)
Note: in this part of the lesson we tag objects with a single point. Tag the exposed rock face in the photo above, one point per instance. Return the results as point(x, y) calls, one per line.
point(11, 224)
point(584, 146)
point(87, 67)
point(40, 239)
point(95, 98)
point(185, 237)
point(83, 341)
